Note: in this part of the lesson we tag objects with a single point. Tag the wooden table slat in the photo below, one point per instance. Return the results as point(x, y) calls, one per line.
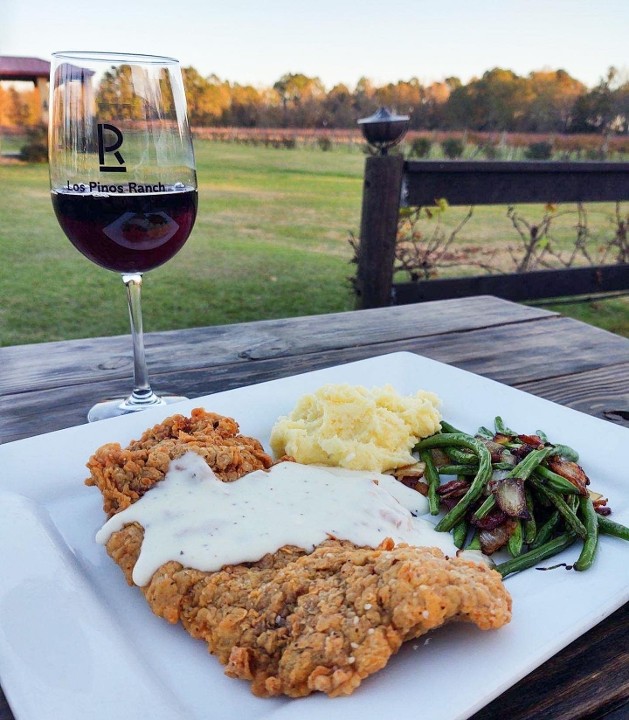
point(523, 359)
point(50, 365)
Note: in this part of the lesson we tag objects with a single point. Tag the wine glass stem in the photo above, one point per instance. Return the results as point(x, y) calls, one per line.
point(142, 393)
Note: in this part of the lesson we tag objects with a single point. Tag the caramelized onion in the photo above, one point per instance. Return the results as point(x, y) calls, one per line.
point(492, 540)
point(510, 497)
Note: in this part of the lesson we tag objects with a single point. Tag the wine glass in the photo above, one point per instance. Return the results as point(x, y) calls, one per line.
point(122, 177)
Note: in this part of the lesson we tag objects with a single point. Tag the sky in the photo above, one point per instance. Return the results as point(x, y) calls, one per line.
point(255, 42)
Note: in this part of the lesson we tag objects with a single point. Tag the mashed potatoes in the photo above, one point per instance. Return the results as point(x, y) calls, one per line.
point(353, 427)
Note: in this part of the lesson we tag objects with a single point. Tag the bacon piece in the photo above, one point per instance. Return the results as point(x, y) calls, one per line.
point(570, 471)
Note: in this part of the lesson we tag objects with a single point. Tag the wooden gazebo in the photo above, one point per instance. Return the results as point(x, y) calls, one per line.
point(28, 69)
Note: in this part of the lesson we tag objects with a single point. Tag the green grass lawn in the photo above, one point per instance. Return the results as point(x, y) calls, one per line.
point(270, 241)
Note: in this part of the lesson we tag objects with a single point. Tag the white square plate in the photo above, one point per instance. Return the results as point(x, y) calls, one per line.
point(77, 642)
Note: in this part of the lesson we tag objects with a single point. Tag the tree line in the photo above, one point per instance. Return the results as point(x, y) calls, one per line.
point(543, 101)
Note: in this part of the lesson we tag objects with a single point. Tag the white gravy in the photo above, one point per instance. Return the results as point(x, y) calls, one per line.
point(194, 518)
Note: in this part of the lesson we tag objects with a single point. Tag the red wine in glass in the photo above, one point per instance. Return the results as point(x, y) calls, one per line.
point(127, 232)
point(122, 177)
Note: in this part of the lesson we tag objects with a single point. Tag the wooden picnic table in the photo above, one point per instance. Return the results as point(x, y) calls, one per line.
point(48, 387)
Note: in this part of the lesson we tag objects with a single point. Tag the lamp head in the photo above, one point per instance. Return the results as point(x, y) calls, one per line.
point(383, 129)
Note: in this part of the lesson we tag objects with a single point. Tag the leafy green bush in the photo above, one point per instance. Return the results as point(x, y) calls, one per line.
point(36, 148)
point(542, 150)
point(452, 148)
point(420, 147)
point(596, 154)
point(324, 143)
point(490, 151)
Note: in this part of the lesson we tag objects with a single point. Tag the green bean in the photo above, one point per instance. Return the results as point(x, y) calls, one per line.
point(460, 456)
point(481, 478)
point(469, 468)
point(530, 525)
point(573, 502)
point(588, 551)
point(501, 428)
point(474, 543)
point(516, 540)
point(459, 533)
point(447, 428)
point(546, 530)
point(484, 432)
point(609, 527)
point(568, 514)
point(488, 505)
point(532, 557)
point(456, 455)
point(432, 478)
point(526, 466)
point(457, 469)
point(556, 482)
point(566, 452)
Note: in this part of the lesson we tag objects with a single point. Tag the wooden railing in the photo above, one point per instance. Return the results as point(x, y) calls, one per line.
point(390, 182)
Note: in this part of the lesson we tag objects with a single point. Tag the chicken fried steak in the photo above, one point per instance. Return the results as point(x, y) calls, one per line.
point(293, 622)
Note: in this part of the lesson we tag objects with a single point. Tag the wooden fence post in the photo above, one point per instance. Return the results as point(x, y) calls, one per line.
point(378, 230)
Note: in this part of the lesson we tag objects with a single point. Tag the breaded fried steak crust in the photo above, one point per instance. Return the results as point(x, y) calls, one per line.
point(124, 475)
point(295, 623)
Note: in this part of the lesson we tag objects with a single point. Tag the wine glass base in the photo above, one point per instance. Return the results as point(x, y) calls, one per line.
point(122, 406)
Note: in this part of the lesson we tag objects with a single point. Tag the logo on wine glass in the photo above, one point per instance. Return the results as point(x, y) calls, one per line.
point(113, 148)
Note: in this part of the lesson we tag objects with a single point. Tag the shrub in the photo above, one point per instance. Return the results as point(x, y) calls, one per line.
point(324, 142)
point(36, 148)
point(491, 151)
point(420, 147)
point(452, 148)
point(539, 151)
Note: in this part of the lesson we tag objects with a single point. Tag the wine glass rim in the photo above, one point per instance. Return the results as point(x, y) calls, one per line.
point(98, 55)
